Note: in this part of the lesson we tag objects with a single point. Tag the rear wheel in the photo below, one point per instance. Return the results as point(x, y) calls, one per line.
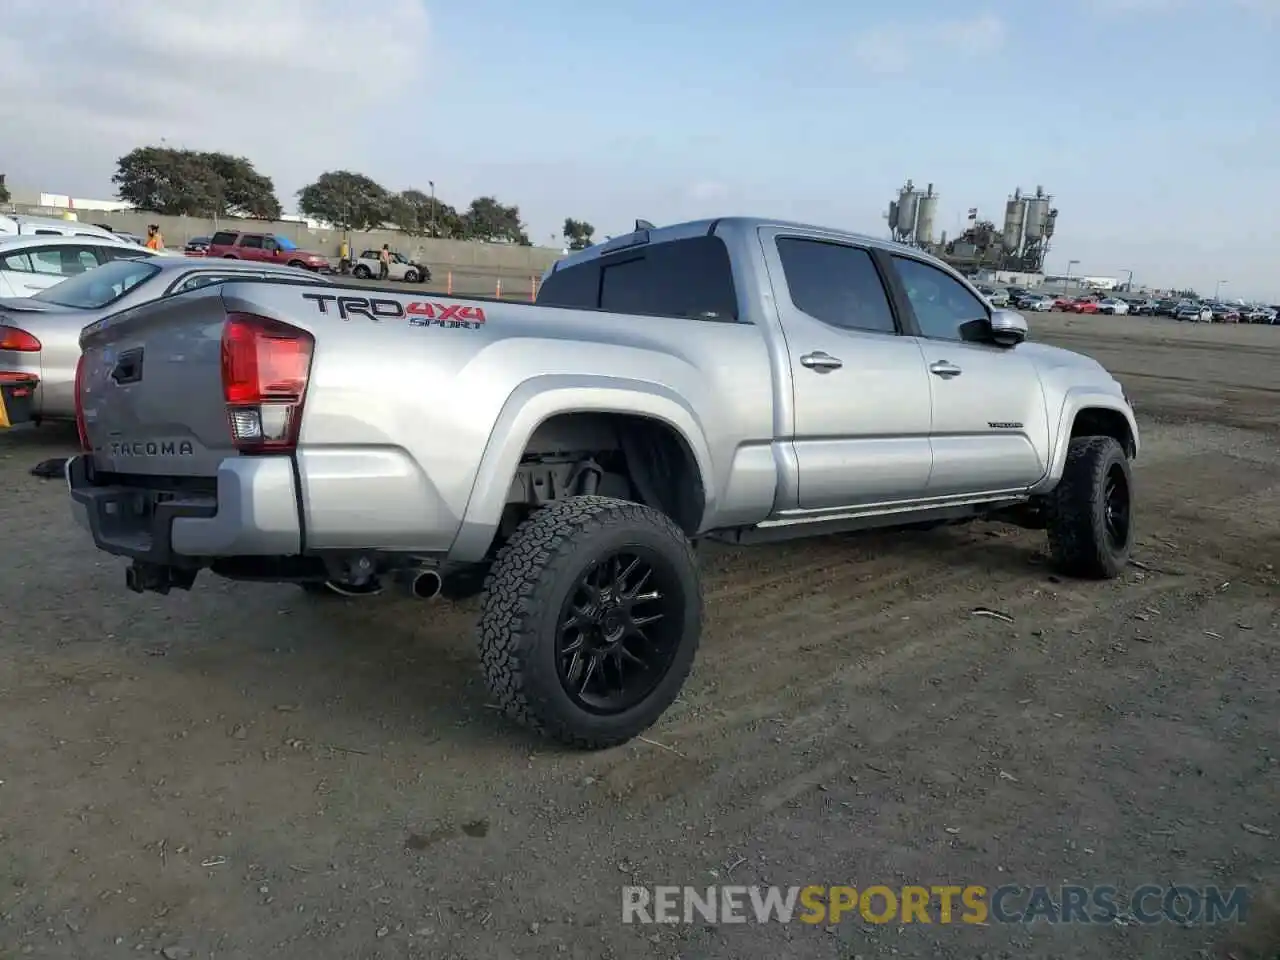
point(1090, 513)
point(590, 620)
point(362, 272)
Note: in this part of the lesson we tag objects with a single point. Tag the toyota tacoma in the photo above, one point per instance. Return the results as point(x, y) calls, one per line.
point(741, 380)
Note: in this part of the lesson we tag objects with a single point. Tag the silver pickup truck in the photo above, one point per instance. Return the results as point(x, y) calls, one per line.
point(743, 380)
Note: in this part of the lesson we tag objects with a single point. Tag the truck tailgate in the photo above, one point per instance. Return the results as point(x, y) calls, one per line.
point(150, 389)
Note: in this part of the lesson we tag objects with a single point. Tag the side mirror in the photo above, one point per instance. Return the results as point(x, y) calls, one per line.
point(1008, 327)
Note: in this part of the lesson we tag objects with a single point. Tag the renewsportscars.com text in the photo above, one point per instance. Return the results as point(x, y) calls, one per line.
point(972, 904)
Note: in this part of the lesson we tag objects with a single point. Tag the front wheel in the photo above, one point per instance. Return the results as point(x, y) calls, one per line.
point(590, 620)
point(1090, 512)
point(411, 276)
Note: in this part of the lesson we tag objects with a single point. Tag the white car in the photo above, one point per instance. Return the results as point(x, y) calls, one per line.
point(1113, 305)
point(21, 226)
point(400, 268)
point(29, 264)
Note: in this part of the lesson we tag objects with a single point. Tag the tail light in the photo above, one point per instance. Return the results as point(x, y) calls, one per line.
point(265, 367)
point(12, 338)
point(81, 426)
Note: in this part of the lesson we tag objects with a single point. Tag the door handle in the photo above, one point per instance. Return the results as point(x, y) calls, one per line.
point(945, 369)
point(821, 362)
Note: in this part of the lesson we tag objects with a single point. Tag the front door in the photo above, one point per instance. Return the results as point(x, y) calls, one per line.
point(859, 388)
point(990, 424)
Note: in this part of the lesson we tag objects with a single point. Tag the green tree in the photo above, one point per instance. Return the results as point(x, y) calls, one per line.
point(417, 213)
point(348, 201)
point(411, 211)
point(578, 233)
point(195, 183)
point(488, 220)
point(449, 223)
point(4, 191)
point(245, 191)
point(162, 180)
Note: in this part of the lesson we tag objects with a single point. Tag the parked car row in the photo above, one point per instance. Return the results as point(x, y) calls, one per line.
point(1207, 311)
point(52, 287)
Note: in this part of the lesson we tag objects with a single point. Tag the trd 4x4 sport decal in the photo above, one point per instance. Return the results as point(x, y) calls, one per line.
point(421, 313)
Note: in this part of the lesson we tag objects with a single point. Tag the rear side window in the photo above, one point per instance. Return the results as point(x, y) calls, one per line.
point(251, 240)
point(17, 261)
point(690, 279)
point(223, 239)
point(572, 287)
point(836, 284)
point(199, 280)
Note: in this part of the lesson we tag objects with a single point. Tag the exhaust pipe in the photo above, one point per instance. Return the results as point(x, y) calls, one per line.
point(423, 584)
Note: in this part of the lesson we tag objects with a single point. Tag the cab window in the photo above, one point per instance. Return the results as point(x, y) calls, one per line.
point(944, 307)
point(691, 279)
point(836, 283)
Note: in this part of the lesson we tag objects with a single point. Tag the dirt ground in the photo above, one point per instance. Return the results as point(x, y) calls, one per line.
point(239, 772)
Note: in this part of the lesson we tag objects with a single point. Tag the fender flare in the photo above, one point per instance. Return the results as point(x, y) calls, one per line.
point(537, 400)
point(1074, 401)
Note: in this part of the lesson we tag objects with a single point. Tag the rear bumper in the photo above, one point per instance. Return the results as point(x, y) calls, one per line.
point(254, 512)
point(354, 500)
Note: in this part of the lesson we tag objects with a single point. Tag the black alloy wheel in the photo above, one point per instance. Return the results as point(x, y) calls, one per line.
point(618, 632)
point(1115, 506)
point(590, 620)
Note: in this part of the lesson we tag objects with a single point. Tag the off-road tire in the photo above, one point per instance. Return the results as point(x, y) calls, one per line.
point(519, 617)
point(1076, 512)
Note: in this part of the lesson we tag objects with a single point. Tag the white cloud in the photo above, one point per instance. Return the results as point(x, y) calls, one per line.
point(896, 48)
point(286, 83)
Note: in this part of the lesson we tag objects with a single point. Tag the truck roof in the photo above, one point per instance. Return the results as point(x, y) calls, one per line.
point(695, 228)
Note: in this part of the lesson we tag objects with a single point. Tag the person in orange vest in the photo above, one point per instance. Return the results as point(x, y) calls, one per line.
point(154, 240)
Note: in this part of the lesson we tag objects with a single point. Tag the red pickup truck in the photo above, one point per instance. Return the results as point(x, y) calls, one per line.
point(266, 247)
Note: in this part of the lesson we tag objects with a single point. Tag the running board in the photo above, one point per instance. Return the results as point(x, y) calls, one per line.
point(794, 528)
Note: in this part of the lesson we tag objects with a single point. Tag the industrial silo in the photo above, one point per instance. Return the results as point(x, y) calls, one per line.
point(1037, 217)
point(907, 206)
point(926, 210)
point(1014, 218)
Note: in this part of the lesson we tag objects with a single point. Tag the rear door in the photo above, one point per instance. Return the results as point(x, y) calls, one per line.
point(251, 246)
point(37, 268)
point(860, 392)
point(990, 426)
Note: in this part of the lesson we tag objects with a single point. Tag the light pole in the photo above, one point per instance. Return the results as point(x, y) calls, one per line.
point(1067, 282)
point(432, 185)
point(1217, 290)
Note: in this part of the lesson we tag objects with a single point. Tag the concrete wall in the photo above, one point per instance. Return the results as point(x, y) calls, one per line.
point(462, 258)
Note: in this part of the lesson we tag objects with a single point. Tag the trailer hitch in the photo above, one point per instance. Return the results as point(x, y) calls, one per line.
point(143, 577)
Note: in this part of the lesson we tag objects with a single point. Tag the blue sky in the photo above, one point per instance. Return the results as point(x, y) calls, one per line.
point(1154, 123)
